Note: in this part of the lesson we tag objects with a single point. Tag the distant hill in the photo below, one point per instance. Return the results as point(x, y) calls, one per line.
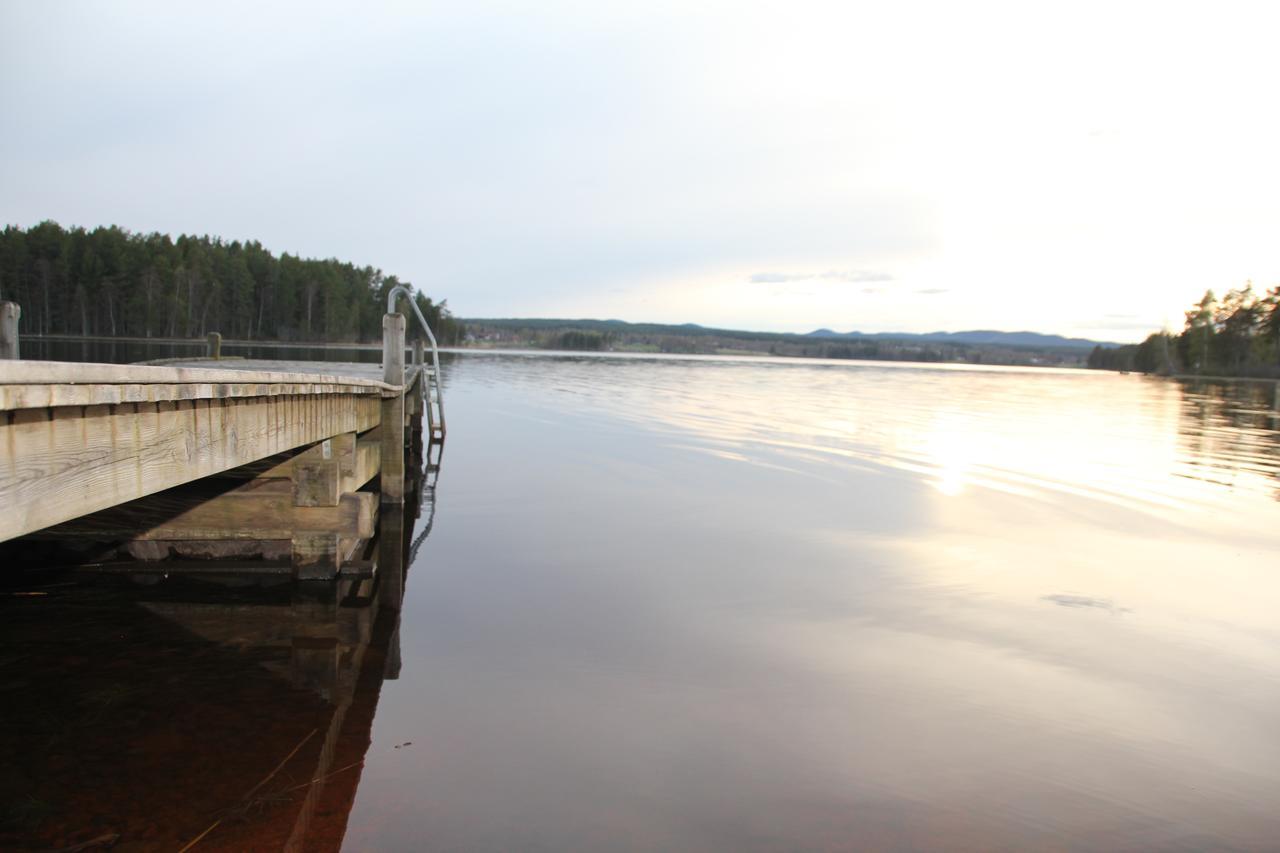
point(985, 337)
point(982, 336)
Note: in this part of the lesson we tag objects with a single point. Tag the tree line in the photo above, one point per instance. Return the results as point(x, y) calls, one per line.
point(1238, 335)
point(110, 282)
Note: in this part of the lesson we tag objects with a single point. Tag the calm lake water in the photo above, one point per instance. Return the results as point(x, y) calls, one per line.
point(717, 604)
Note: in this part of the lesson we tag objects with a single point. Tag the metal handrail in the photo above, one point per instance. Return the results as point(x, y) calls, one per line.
point(435, 352)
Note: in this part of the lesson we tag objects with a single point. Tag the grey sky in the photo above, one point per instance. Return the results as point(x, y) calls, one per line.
point(791, 167)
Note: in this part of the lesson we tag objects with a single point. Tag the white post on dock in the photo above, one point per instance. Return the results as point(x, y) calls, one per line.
point(215, 345)
point(9, 314)
point(392, 476)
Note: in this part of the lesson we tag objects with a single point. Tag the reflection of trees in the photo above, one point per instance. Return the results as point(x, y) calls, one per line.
point(1230, 430)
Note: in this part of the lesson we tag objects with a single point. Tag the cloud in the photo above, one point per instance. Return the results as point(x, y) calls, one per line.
point(844, 276)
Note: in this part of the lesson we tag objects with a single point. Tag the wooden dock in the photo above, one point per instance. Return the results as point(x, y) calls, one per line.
point(248, 460)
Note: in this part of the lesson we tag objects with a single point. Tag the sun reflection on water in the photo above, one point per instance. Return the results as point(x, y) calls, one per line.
point(1145, 444)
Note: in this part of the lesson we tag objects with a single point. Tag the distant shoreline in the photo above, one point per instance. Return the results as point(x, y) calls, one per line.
point(620, 354)
point(352, 346)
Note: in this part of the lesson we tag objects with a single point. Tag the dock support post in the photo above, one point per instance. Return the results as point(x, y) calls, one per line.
point(9, 314)
point(415, 404)
point(392, 476)
point(419, 356)
point(317, 554)
point(391, 556)
point(215, 345)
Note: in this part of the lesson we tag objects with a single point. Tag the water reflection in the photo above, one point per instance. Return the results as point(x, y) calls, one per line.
point(718, 605)
point(701, 604)
point(1125, 440)
point(1231, 431)
point(229, 712)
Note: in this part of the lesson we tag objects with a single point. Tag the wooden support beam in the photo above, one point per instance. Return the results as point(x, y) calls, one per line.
point(215, 345)
point(413, 394)
point(390, 571)
point(317, 483)
point(10, 312)
point(316, 555)
point(358, 456)
point(391, 469)
point(353, 569)
point(319, 475)
point(393, 349)
point(260, 509)
point(317, 472)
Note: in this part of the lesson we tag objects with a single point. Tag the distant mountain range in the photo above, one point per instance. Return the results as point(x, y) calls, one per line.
point(980, 336)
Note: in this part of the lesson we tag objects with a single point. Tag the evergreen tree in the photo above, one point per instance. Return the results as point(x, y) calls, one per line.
point(110, 282)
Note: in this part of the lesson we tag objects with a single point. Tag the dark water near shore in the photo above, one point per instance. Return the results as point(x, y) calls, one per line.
point(716, 604)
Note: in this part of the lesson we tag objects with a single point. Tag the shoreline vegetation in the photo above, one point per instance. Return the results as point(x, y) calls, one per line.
point(1235, 337)
point(111, 283)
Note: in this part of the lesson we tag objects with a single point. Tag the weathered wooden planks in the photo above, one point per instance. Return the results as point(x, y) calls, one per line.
point(60, 463)
point(97, 451)
point(48, 384)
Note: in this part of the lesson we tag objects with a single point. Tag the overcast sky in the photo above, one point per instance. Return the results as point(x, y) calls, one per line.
point(1080, 168)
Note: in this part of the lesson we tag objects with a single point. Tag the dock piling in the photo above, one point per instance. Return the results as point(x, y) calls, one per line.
point(215, 345)
point(10, 312)
point(392, 474)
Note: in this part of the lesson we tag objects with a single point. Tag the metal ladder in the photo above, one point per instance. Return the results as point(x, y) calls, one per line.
point(432, 391)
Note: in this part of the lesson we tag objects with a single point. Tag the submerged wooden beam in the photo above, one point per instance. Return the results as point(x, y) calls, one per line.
point(258, 510)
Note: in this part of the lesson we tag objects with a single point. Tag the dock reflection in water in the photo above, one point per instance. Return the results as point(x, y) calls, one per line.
point(148, 712)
